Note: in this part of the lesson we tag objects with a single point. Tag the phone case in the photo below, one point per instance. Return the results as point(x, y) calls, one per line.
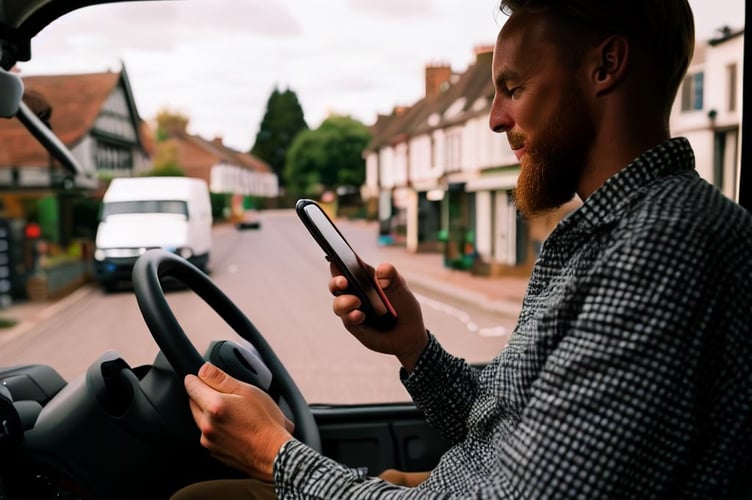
point(360, 282)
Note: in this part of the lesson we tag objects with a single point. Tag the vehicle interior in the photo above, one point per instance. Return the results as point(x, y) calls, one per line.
point(122, 431)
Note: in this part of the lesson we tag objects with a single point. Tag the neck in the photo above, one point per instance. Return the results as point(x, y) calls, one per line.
point(617, 143)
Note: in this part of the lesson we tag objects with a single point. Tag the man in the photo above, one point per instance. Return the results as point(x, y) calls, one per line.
point(628, 373)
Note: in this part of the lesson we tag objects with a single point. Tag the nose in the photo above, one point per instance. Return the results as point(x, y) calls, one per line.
point(499, 118)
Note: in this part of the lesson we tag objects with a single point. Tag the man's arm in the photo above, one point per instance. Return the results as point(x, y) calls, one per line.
point(407, 339)
point(442, 385)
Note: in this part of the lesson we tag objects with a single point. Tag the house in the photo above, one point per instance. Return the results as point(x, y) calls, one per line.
point(708, 109)
point(95, 117)
point(444, 179)
point(93, 114)
point(247, 180)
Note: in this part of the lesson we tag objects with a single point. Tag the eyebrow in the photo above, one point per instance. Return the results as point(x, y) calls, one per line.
point(505, 75)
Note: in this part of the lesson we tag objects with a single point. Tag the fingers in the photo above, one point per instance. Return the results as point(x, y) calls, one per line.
point(346, 307)
point(217, 379)
point(387, 276)
point(333, 269)
point(337, 285)
point(198, 392)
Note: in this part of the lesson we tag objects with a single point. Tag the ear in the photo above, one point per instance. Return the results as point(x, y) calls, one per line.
point(611, 63)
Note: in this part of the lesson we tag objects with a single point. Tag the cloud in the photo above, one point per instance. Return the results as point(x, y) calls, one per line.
point(393, 8)
point(218, 60)
point(164, 25)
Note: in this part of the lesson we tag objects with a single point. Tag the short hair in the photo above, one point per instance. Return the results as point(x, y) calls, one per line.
point(663, 28)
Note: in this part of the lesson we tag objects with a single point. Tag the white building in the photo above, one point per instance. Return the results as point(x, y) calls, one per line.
point(443, 181)
point(708, 109)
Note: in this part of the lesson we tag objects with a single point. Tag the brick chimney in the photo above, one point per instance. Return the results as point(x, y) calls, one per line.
point(483, 51)
point(437, 77)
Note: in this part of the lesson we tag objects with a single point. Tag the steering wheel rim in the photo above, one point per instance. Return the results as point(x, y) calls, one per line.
point(180, 351)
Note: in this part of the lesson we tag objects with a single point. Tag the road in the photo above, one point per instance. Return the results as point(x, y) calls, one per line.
point(277, 275)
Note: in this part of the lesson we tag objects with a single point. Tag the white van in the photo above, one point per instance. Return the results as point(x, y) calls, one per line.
point(141, 213)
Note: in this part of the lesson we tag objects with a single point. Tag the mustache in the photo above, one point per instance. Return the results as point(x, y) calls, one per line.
point(516, 139)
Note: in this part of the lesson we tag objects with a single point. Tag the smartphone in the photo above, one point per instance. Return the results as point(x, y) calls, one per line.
point(379, 312)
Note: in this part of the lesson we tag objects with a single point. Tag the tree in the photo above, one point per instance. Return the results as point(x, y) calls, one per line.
point(327, 157)
point(282, 122)
point(166, 158)
point(170, 124)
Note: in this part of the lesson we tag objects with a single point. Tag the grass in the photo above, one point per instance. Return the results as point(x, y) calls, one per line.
point(7, 323)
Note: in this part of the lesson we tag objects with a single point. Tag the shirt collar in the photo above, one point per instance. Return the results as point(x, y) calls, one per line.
point(607, 203)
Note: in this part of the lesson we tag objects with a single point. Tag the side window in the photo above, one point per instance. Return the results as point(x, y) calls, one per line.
point(692, 92)
point(732, 86)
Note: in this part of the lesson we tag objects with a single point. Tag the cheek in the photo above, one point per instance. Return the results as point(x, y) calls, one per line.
point(533, 112)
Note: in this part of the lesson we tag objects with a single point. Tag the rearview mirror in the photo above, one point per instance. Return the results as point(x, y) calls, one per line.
point(11, 93)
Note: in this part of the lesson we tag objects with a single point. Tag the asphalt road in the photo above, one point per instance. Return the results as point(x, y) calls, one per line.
point(278, 277)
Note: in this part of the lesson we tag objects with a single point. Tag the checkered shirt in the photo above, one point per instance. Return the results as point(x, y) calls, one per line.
point(628, 375)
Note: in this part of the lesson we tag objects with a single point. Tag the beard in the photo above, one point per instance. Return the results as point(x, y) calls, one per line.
point(554, 159)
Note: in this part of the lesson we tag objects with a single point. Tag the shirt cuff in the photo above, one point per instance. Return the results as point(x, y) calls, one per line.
point(425, 366)
point(298, 469)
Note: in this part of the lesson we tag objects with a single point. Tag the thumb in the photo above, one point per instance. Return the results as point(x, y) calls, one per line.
point(388, 278)
point(218, 380)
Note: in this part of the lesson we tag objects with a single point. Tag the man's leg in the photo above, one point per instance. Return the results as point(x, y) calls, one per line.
point(230, 489)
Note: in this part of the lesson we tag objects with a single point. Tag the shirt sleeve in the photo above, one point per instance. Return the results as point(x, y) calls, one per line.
point(302, 473)
point(443, 387)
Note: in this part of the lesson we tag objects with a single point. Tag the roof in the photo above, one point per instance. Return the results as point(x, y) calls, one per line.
point(475, 83)
point(196, 154)
point(72, 104)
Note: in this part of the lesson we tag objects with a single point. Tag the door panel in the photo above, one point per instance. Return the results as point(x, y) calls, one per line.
point(379, 437)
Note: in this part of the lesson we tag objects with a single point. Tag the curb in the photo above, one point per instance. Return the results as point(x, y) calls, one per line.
point(478, 299)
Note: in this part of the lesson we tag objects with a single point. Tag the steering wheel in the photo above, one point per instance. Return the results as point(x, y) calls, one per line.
point(180, 351)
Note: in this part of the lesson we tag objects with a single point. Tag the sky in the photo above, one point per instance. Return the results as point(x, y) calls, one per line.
point(217, 61)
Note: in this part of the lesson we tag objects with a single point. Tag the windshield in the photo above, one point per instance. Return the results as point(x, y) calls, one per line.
point(144, 207)
point(271, 102)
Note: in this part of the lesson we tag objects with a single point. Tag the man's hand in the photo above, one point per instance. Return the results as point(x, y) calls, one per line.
point(409, 479)
point(239, 423)
point(407, 339)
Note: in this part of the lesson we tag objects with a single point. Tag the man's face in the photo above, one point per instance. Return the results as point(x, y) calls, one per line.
point(541, 107)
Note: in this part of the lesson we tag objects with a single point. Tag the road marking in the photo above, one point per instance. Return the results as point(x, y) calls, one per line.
point(462, 316)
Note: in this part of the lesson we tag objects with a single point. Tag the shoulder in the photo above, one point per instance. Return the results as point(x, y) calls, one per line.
point(680, 222)
point(689, 208)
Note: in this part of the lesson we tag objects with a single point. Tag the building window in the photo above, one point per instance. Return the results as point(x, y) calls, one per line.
point(692, 92)
point(113, 158)
point(453, 151)
point(731, 71)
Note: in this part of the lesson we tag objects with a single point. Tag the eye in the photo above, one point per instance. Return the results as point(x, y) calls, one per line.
point(513, 92)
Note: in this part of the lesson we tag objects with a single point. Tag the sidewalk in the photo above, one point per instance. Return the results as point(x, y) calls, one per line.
point(424, 272)
point(27, 314)
point(501, 295)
